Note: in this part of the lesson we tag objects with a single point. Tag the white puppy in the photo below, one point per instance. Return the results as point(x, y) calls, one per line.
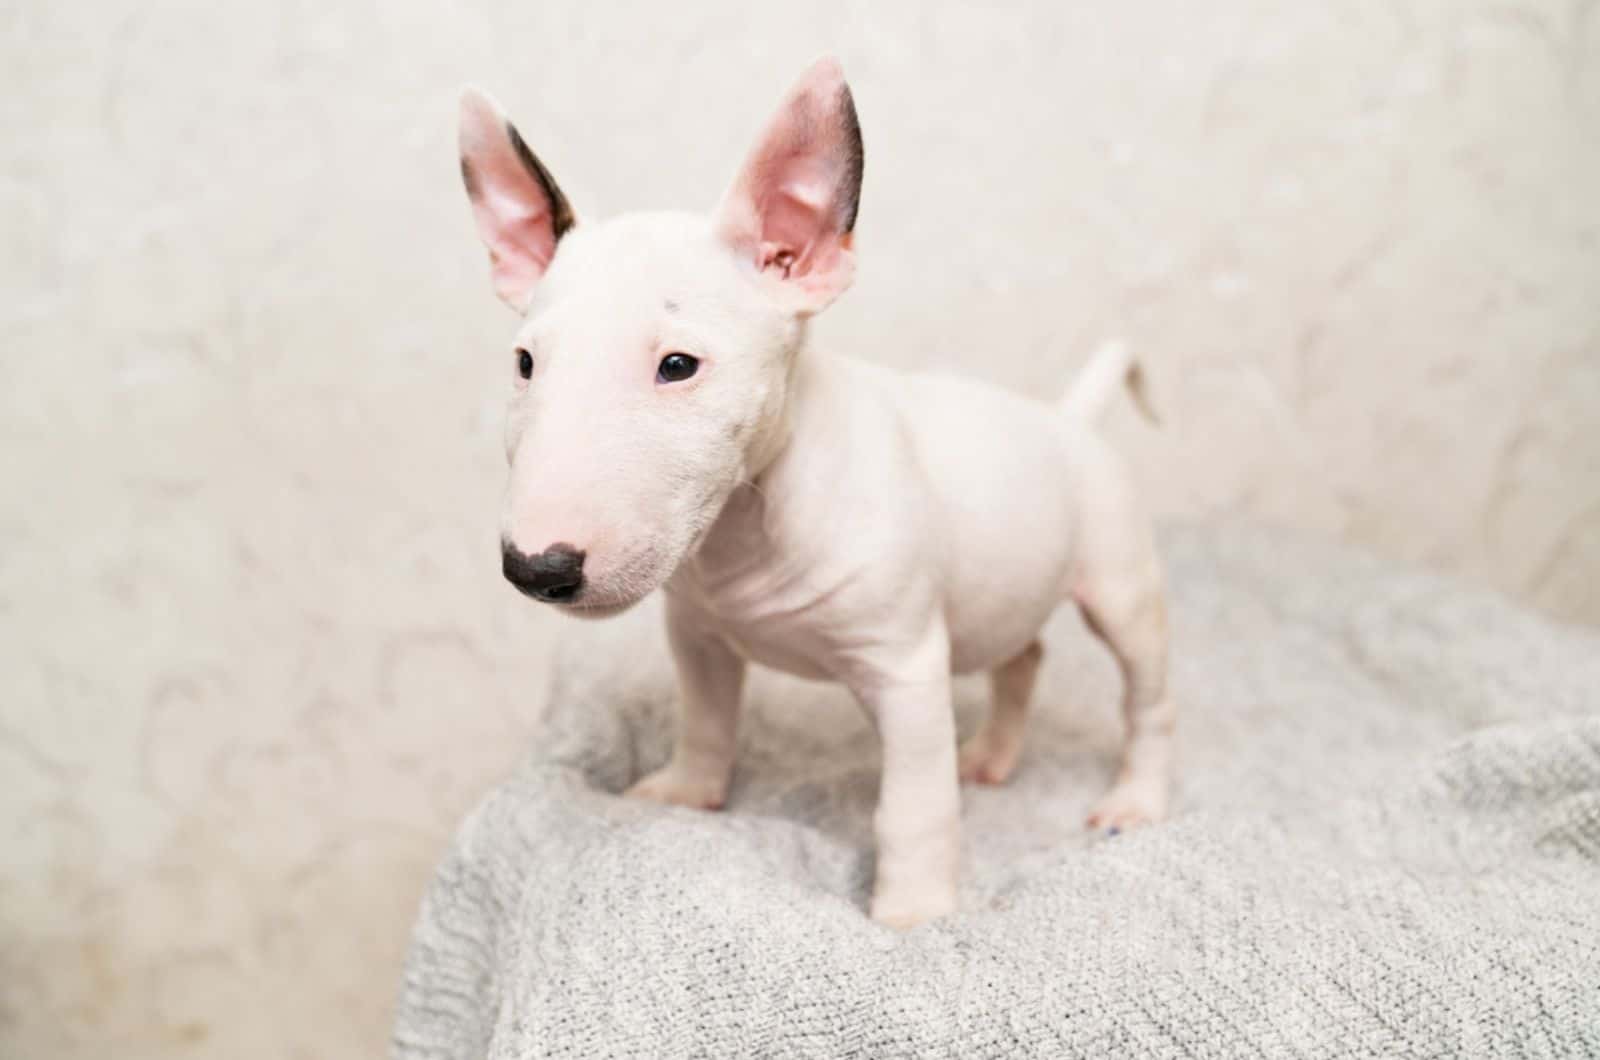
point(816, 514)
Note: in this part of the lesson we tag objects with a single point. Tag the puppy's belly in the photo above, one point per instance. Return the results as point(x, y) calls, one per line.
point(1008, 569)
point(980, 640)
point(1000, 471)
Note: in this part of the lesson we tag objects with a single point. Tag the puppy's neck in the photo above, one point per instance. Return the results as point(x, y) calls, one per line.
point(782, 474)
point(775, 436)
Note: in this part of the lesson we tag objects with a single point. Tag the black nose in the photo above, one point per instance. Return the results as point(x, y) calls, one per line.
point(555, 574)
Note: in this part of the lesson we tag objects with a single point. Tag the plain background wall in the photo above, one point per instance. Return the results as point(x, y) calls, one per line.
point(257, 654)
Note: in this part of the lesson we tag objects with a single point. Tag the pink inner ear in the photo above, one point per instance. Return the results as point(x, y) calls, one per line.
point(797, 234)
point(520, 237)
point(792, 206)
point(520, 212)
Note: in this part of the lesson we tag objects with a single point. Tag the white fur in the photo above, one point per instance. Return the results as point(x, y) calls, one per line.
point(829, 518)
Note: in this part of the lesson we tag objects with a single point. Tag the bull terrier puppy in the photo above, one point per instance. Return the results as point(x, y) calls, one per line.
point(836, 520)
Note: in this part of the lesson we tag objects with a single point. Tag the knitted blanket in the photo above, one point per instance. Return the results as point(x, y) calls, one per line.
point(1386, 841)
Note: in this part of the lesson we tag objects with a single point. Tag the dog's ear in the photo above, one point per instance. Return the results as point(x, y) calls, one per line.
point(521, 214)
point(791, 209)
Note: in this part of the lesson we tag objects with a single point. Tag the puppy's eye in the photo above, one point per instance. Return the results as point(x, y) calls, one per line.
point(525, 364)
point(676, 367)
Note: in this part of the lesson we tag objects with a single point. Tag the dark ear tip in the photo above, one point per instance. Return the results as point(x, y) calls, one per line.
point(855, 156)
point(561, 217)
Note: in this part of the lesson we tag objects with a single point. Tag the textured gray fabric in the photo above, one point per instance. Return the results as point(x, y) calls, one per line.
point(1387, 842)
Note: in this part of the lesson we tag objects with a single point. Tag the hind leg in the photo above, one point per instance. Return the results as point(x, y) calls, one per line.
point(1121, 595)
point(990, 755)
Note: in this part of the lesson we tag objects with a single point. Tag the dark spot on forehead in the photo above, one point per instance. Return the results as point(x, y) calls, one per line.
point(672, 307)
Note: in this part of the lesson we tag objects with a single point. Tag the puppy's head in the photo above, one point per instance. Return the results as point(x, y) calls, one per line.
point(651, 370)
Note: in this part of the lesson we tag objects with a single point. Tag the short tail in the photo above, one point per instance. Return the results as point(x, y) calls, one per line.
point(1110, 367)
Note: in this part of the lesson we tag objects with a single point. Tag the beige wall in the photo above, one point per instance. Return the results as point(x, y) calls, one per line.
point(257, 654)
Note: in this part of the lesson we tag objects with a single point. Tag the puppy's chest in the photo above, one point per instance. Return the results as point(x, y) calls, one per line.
point(800, 621)
point(798, 653)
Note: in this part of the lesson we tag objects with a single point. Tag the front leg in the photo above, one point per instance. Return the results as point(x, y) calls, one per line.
point(918, 823)
point(710, 679)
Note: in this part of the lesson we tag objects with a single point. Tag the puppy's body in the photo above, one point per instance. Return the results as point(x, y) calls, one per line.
point(912, 527)
point(897, 495)
point(815, 514)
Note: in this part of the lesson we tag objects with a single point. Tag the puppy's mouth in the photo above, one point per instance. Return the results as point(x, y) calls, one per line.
point(559, 594)
point(586, 604)
point(604, 582)
point(588, 600)
point(621, 580)
point(582, 610)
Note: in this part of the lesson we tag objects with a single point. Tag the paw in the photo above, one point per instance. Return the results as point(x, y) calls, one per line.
point(1131, 802)
point(677, 787)
point(904, 908)
point(987, 759)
